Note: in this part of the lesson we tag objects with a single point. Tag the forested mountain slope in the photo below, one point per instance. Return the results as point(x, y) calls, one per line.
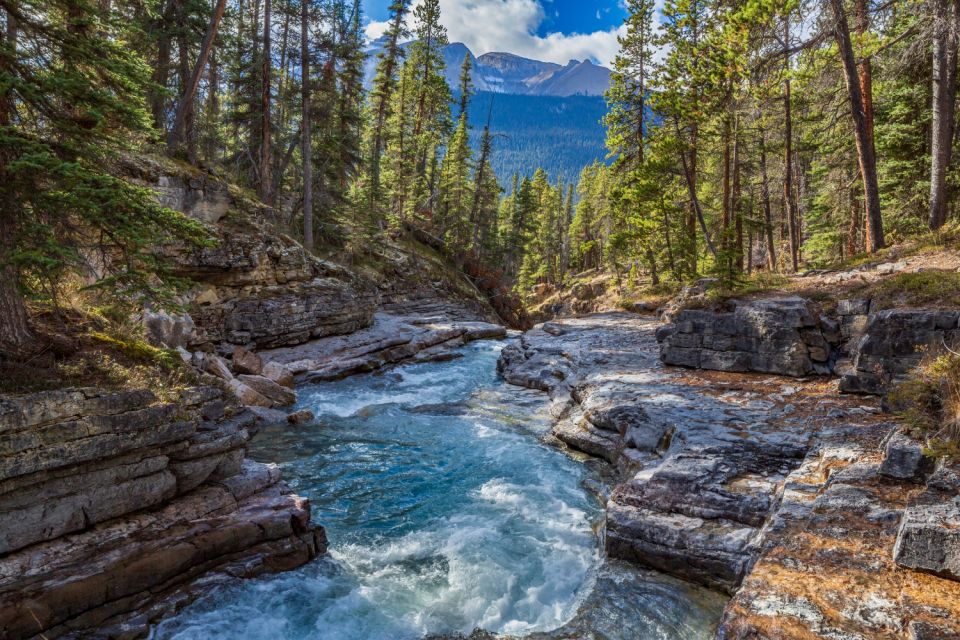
point(561, 135)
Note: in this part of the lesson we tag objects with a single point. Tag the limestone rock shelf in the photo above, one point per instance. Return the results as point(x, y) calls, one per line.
point(389, 340)
point(779, 491)
point(254, 287)
point(789, 336)
point(112, 505)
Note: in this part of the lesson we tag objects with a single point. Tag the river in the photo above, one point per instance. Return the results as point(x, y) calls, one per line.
point(445, 512)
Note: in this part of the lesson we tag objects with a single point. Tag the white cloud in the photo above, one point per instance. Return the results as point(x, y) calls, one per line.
point(511, 26)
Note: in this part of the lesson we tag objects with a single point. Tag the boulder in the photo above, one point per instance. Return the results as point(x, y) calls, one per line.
point(217, 366)
point(903, 459)
point(278, 373)
point(301, 417)
point(248, 396)
point(929, 539)
point(277, 395)
point(246, 362)
point(169, 330)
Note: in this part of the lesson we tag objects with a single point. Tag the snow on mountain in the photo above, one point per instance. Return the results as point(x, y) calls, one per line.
point(511, 74)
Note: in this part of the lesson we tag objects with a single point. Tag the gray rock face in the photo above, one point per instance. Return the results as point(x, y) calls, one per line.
point(259, 288)
point(781, 336)
point(904, 460)
point(929, 539)
point(698, 472)
point(786, 336)
point(153, 495)
point(894, 343)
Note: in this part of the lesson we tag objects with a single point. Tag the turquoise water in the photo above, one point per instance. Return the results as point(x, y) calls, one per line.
point(445, 513)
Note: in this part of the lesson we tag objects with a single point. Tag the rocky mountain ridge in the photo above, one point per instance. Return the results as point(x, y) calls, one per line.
point(507, 73)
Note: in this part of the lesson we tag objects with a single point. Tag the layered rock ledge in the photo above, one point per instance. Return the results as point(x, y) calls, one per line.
point(112, 505)
point(872, 351)
point(390, 339)
point(775, 490)
point(255, 287)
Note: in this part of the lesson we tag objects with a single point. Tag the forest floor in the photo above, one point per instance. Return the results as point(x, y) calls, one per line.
point(903, 276)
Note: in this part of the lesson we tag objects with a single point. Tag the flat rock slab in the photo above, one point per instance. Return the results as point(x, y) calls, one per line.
point(389, 340)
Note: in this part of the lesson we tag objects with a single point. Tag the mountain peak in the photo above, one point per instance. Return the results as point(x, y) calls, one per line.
point(503, 72)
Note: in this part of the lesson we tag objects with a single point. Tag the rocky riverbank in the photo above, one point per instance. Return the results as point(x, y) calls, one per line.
point(117, 507)
point(113, 505)
point(779, 491)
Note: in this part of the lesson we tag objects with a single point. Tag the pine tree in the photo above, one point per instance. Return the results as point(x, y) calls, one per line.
point(74, 102)
point(382, 94)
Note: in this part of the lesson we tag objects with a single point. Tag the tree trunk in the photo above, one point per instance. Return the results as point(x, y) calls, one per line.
point(735, 198)
point(666, 235)
point(180, 130)
point(695, 201)
point(767, 213)
point(15, 334)
point(306, 126)
point(865, 65)
point(865, 153)
point(691, 177)
point(211, 149)
point(654, 273)
point(727, 194)
point(854, 229)
point(161, 70)
point(790, 204)
point(265, 190)
point(945, 42)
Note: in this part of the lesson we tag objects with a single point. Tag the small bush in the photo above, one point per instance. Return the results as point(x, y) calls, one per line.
point(929, 404)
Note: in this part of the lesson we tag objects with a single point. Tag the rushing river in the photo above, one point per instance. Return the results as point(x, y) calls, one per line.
point(445, 513)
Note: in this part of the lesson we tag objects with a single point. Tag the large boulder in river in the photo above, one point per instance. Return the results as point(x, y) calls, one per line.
point(781, 335)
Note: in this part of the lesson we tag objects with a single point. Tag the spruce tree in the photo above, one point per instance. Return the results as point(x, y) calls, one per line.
point(74, 104)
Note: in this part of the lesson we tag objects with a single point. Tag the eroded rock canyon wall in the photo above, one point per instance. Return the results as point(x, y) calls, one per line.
point(112, 504)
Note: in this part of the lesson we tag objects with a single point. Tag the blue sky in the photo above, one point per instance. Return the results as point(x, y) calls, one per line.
point(553, 30)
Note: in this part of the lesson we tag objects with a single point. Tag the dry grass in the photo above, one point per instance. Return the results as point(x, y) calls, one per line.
point(87, 346)
point(922, 289)
point(929, 404)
